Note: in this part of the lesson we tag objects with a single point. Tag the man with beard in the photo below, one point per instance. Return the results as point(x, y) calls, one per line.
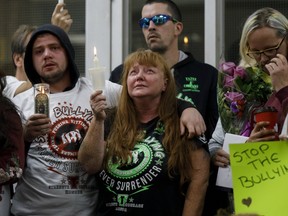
point(15, 85)
point(53, 182)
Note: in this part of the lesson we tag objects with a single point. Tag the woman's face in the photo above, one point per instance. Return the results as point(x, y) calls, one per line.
point(145, 81)
point(264, 44)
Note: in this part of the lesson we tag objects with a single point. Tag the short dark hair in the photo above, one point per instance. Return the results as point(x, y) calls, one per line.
point(172, 7)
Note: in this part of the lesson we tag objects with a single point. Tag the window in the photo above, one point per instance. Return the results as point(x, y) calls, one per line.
point(236, 13)
point(38, 12)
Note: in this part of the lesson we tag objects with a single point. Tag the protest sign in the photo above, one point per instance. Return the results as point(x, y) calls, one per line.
point(260, 176)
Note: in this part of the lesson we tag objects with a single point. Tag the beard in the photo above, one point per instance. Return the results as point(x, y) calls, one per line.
point(54, 77)
point(157, 48)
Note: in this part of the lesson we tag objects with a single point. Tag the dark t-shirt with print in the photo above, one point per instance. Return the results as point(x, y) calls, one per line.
point(143, 187)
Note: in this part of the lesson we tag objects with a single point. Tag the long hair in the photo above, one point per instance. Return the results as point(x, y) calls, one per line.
point(125, 133)
point(6, 105)
point(264, 17)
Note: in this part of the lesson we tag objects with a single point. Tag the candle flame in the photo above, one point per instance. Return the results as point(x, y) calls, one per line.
point(42, 90)
point(95, 51)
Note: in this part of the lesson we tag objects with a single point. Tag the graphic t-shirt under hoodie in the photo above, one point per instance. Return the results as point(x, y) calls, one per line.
point(53, 182)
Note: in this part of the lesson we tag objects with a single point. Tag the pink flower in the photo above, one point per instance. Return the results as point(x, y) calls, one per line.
point(233, 96)
point(228, 81)
point(240, 71)
point(228, 68)
point(234, 107)
point(240, 88)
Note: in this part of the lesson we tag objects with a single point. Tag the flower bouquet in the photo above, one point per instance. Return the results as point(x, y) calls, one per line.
point(240, 91)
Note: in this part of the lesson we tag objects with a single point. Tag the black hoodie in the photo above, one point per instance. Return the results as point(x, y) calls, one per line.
point(31, 72)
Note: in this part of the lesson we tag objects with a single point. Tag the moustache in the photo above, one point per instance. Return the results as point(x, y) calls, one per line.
point(152, 35)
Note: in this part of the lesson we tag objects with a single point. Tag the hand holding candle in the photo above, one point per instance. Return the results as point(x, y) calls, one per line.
point(96, 73)
point(61, 2)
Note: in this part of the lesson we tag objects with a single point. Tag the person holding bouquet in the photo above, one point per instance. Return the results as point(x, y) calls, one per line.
point(273, 60)
point(264, 44)
point(263, 47)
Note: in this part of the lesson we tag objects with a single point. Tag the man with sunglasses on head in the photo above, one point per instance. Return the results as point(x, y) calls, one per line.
point(161, 25)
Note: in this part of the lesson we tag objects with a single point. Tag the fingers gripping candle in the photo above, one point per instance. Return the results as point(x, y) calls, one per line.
point(61, 2)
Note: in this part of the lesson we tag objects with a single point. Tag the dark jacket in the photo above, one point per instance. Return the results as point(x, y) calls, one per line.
point(279, 100)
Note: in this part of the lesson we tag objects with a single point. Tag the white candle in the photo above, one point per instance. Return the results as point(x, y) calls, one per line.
point(60, 1)
point(95, 59)
point(97, 73)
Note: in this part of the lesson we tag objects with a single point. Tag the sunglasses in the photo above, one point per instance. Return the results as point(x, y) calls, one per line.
point(158, 19)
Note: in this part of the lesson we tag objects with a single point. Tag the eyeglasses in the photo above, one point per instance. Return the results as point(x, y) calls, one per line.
point(158, 19)
point(270, 52)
